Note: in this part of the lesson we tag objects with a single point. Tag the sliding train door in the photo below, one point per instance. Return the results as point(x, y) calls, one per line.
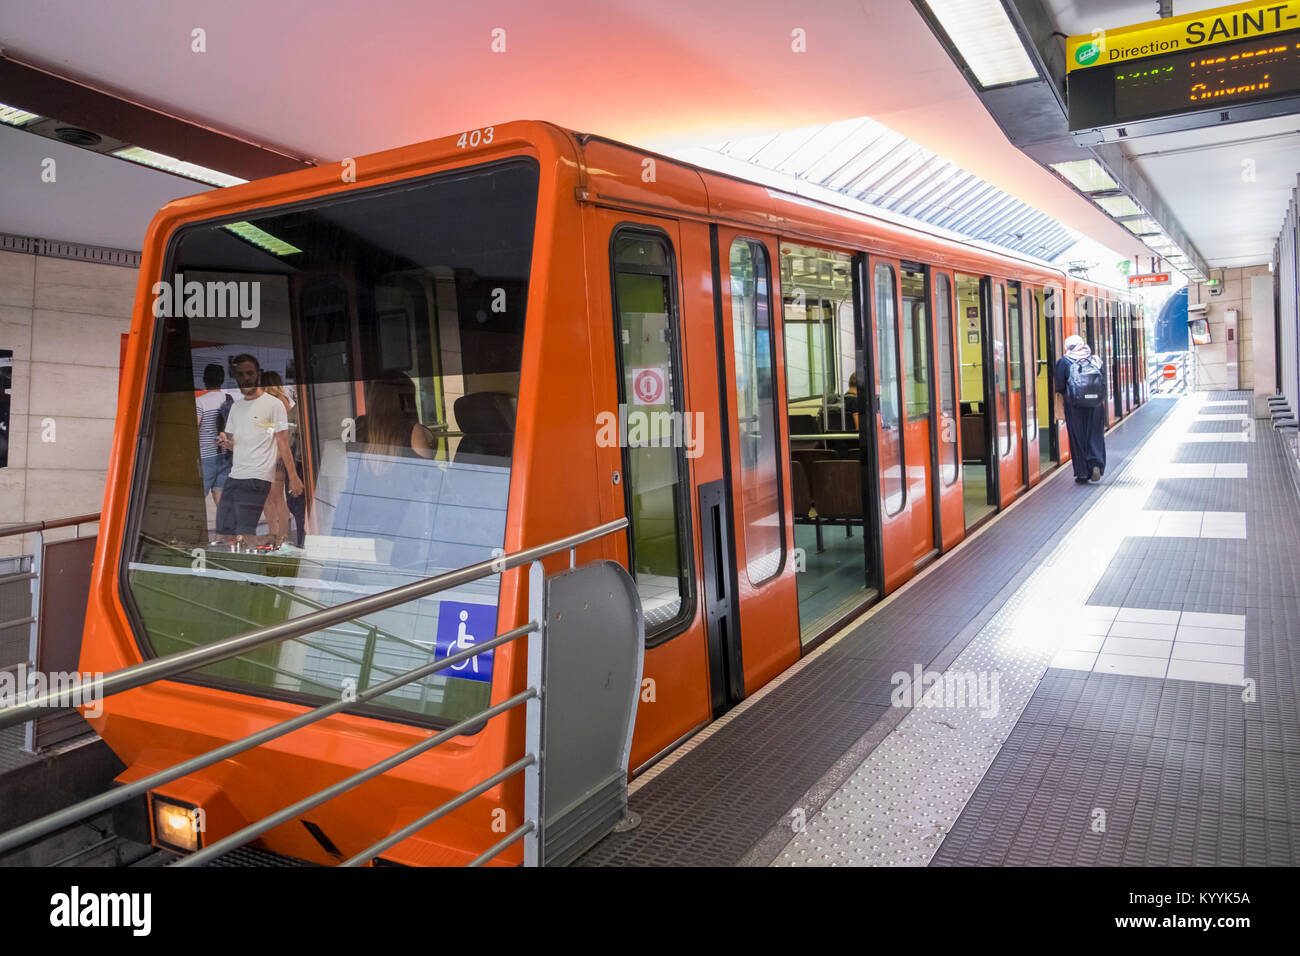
point(750, 373)
point(1030, 310)
point(947, 367)
point(897, 532)
point(1007, 469)
point(978, 463)
point(920, 426)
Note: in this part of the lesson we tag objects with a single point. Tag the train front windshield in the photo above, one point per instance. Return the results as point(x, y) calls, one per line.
point(331, 414)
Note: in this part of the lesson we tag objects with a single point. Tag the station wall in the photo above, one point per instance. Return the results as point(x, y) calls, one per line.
point(63, 320)
point(1212, 360)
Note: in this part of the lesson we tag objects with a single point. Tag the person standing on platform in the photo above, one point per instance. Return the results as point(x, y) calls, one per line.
point(1081, 401)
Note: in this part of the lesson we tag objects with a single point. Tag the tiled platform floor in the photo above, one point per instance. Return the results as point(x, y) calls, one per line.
point(1130, 696)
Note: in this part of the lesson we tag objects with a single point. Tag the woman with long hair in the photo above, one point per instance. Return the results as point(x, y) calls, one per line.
point(276, 508)
point(392, 428)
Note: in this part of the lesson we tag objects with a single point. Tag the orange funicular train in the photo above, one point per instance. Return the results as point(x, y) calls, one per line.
point(503, 337)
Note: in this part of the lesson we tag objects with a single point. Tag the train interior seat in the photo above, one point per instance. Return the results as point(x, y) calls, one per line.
point(486, 421)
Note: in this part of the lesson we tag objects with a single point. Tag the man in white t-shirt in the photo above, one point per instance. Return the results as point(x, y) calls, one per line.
point(257, 431)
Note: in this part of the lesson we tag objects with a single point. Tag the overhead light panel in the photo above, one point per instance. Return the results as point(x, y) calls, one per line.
point(170, 164)
point(982, 35)
point(1085, 175)
point(1119, 206)
point(13, 116)
point(262, 239)
point(1144, 226)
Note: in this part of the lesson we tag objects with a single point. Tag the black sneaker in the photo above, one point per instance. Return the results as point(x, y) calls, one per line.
point(1096, 473)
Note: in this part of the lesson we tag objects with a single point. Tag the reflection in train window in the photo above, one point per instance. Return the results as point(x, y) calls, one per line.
point(394, 321)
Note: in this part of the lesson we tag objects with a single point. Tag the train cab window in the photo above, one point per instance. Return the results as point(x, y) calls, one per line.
point(365, 351)
point(760, 460)
point(892, 465)
point(656, 491)
point(950, 453)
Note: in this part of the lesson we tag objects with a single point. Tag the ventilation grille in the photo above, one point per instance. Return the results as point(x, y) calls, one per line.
point(70, 250)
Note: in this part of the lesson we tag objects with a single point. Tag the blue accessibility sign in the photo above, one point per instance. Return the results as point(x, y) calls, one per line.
point(460, 627)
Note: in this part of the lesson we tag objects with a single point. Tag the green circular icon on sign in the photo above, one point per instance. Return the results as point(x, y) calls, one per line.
point(1087, 54)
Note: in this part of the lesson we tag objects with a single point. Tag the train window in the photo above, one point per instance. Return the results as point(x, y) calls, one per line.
point(656, 493)
point(365, 349)
point(1015, 336)
point(892, 464)
point(760, 460)
point(948, 460)
point(816, 312)
point(1034, 298)
point(1000, 368)
point(916, 345)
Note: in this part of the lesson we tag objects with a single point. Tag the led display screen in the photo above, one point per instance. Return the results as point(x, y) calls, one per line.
point(1196, 79)
point(1220, 78)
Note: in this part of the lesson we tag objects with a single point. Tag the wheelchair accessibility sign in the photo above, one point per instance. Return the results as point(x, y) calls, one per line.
point(460, 627)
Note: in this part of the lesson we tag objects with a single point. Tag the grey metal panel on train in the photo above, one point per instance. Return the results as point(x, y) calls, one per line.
point(595, 642)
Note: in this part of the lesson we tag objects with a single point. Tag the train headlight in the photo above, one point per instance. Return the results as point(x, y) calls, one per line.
point(177, 826)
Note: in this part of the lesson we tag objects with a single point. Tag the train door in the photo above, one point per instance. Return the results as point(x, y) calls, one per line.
point(1030, 305)
point(998, 355)
point(921, 434)
point(892, 446)
point(829, 404)
point(978, 475)
point(1114, 365)
point(1045, 339)
point(763, 566)
point(948, 447)
point(671, 482)
point(1016, 470)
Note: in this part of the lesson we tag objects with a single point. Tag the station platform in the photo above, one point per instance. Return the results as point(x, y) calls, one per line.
point(1116, 686)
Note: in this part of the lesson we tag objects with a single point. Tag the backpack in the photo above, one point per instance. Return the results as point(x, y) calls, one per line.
point(1087, 384)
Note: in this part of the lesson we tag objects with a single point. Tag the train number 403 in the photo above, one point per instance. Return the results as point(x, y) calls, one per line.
point(474, 137)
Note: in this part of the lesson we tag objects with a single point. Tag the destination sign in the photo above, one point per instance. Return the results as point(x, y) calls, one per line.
point(1226, 66)
point(1194, 31)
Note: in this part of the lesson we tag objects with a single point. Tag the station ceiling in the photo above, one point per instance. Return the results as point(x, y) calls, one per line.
point(322, 81)
point(1229, 186)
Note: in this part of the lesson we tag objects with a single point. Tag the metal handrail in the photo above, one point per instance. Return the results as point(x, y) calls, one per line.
point(93, 805)
point(138, 675)
point(329, 793)
point(34, 526)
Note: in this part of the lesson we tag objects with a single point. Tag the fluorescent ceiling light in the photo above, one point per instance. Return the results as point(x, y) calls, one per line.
point(262, 239)
point(984, 38)
point(1085, 175)
point(1142, 227)
point(13, 116)
point(1119, 206)
point(147, 157)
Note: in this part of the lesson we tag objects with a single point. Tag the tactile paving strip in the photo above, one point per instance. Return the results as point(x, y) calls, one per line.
point(721, 798)
point(1105, 769)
